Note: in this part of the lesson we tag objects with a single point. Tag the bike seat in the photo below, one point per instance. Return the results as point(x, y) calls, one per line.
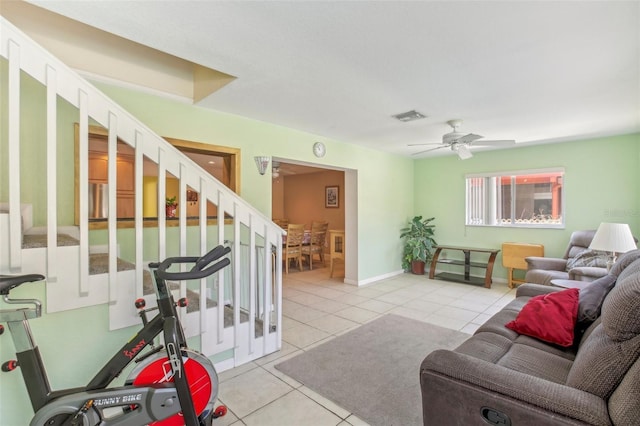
point(8, 282)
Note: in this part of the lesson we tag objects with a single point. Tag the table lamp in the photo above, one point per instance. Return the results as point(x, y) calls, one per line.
point(614, 238)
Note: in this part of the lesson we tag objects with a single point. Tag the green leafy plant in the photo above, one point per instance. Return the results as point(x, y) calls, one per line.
point(171, 201)
point(418, 241)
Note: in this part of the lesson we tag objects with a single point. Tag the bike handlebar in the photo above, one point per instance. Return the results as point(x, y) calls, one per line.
point(203, 265)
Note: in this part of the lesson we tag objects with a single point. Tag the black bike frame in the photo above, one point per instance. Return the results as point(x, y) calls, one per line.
point(166, 322)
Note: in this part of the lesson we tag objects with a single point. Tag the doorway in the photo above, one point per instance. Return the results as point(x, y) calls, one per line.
point(304, 192)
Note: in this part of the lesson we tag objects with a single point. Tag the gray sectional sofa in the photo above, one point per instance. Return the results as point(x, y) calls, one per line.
point(501, 377)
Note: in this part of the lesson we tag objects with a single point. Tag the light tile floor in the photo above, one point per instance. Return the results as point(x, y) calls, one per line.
point(317, 308)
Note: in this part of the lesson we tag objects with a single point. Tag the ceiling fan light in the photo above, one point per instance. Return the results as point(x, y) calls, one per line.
point(464, 153)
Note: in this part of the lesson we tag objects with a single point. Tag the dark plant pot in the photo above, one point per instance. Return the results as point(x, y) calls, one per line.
point(417, 267)
point(170, 210)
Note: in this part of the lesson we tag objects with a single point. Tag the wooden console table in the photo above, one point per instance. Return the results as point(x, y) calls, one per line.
point(466, 263)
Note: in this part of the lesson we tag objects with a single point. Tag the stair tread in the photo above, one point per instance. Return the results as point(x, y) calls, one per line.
point(40, 240)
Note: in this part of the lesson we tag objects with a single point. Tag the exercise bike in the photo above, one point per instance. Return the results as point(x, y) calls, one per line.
point(171, 385)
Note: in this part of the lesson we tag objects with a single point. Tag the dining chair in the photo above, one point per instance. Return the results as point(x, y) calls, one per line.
point(336, 247)
point(317, 242)
point(293, 246)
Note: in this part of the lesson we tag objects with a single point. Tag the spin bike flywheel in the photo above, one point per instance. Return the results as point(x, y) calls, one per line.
point(201, 376)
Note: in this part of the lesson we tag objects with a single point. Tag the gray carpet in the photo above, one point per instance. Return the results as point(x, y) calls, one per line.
point(373, 371)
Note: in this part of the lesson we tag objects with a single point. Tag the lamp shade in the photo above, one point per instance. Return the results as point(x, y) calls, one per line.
point(613, 237)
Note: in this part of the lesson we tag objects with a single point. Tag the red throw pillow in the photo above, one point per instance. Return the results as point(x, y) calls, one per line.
point(549, 317)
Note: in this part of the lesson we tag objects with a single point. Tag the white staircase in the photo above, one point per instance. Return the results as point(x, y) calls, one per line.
point(247, 293)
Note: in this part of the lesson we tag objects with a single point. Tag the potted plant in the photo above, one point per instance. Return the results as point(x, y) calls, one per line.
point(418, 244)
point(171, 206)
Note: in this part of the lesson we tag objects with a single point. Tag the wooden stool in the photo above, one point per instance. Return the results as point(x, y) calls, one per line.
point(513, 255)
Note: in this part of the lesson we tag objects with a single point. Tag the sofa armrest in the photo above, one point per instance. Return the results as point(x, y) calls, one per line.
point(458, 386)
point(587, 273)
point(530, 289)
point(546, 263)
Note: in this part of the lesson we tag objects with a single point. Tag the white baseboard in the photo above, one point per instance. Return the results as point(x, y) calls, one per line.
point(224, 365)
point(372, 280)
point(377, 278)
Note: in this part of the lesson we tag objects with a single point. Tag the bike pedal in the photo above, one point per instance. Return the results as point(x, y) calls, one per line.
point(219, 411)
point(10, 365)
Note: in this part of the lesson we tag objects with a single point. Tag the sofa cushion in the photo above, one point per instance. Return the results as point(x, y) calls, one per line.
point(612, 347)
point(621, 308)
point(531, 289)
point(632, 269)
point(587, 258)
point(587, 332)
point(591, 298)
point(544, 276)
point(549, 317)
point(536, 362)
point(495, 324)
point(579, 242)
point(624, 404)
point(564, 352)
point(488, 347)
point(576, 250)
point(623, 261)
point(587, 273)
point(601, 363)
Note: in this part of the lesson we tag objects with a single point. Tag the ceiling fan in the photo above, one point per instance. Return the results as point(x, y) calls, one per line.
point(461, 143)
point(277, 170)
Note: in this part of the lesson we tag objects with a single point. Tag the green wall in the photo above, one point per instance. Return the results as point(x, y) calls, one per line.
point(33, 158)
point(385, 182)
point(602, 184)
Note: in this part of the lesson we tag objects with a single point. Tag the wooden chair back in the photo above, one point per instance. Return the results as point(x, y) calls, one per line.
point(319, 233)
point(295, 235)
point(293, 247)
point(317, 242)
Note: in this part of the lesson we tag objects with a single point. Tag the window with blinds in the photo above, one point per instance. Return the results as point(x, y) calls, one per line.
point(530, 198)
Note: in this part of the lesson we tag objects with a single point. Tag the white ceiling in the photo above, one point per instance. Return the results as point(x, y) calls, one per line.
point(533, 71)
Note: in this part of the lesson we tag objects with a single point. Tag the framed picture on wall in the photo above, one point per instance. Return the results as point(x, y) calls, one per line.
point(331, 197)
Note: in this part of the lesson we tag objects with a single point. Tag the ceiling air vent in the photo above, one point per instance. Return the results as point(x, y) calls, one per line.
point(409, 116)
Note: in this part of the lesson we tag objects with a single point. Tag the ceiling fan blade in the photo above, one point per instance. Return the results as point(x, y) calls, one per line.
point(429, 150)
point(494, 143)
point(468, 138)
point(423, 144)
